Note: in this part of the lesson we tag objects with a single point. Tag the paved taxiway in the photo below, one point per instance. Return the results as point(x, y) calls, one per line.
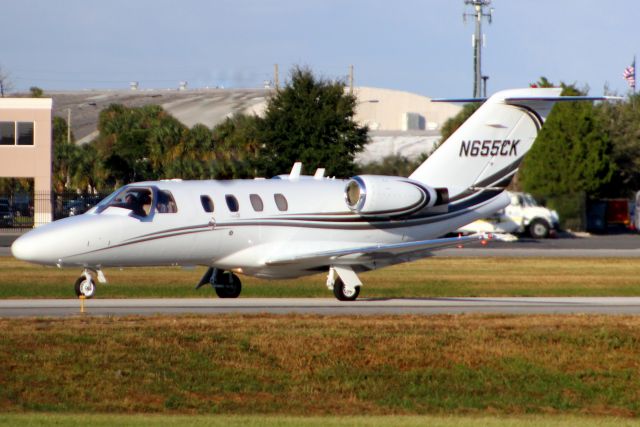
point(625, 245)
point(321, 306)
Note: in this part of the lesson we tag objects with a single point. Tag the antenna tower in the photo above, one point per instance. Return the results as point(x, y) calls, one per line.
point(476, 41)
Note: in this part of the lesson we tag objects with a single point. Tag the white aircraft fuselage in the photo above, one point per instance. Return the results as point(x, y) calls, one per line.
point(316, 217)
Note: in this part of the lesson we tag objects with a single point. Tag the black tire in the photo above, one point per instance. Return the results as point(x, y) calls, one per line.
point(342, 293)
point(232, 286)
point(539, 229)
point(85, 287)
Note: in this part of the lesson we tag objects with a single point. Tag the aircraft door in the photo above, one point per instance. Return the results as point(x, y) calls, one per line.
point(206, 245)
point(209, 208)
point(175, 241)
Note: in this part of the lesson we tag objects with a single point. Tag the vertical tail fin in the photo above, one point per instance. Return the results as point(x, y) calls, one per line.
point(486, 151)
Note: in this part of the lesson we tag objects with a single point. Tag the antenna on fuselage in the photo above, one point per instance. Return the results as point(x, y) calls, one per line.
point(296, 170)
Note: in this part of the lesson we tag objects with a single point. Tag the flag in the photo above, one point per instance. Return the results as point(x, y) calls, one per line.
point(629, 74)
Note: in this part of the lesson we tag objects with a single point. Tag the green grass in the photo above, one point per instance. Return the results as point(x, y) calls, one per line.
point(322, 366)
point(310, 370)
point(100, 420)
point(435, 277)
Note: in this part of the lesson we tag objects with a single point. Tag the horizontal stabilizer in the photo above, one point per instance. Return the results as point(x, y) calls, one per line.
point(459, 100)
point(512, 100)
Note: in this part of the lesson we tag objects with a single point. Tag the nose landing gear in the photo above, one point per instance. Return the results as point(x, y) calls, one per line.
point(86, 285)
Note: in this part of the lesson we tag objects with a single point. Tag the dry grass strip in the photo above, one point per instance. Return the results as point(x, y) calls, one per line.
point(310, 365)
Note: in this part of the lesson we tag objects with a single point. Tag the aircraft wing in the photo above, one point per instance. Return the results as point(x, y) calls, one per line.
point(349, 255)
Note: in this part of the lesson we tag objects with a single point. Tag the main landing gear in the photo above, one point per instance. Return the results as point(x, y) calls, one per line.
point(341, 280)
point(86, 285)
point(343, 293)
point(225, 283)
point(344, 283)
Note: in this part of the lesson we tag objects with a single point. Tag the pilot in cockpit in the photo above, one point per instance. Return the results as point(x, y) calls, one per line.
point(132, 202)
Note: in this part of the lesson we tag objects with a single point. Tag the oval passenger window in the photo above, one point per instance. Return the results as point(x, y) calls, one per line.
point(281, 202)
point(232, 203)
point(256, 202)
point(207, 203)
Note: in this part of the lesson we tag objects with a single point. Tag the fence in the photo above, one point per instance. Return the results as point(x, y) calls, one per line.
point(26, 210)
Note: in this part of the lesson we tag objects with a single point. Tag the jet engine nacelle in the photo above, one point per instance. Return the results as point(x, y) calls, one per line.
point(373, 195)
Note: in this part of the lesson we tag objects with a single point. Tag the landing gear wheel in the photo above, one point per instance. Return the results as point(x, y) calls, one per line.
point(231, 288)
point(539, 229)
point(85, 287)
point(342, 293)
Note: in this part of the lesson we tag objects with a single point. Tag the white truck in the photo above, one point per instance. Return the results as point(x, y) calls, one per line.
point(523, 215)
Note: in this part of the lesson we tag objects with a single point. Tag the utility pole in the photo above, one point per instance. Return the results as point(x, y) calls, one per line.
point(68, 125)
point(476, 40)
point(484, 85)
point(276, 76)
point(351, 79)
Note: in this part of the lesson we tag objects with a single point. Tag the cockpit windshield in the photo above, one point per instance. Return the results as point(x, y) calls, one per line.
point(137, 199)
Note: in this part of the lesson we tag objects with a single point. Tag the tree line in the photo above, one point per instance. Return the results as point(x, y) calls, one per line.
point(309, 120)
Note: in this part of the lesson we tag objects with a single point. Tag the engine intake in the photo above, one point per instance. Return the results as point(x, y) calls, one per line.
point(373, 195)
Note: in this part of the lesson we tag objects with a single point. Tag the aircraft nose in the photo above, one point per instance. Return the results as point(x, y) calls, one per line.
point(37, 247)
point(24, 248)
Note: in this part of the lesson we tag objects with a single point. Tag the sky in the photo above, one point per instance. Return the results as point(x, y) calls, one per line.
point(419, 46)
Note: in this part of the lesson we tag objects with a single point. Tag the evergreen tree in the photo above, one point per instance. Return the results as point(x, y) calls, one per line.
point(311, 120)
point(36, 92)
point(622, 123)
point(571, 158)
point(136, 143)
point(193, 157)
point(65, 154)
point(395, 165)
point(88, 172)
point(238, 147)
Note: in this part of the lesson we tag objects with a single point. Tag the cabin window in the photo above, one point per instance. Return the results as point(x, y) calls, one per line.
point(207, 203)
point(281, 202)
point(232, 203)
point(166, 202)
point(256, 202)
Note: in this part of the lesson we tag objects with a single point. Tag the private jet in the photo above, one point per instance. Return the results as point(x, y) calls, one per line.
point(297, 225)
